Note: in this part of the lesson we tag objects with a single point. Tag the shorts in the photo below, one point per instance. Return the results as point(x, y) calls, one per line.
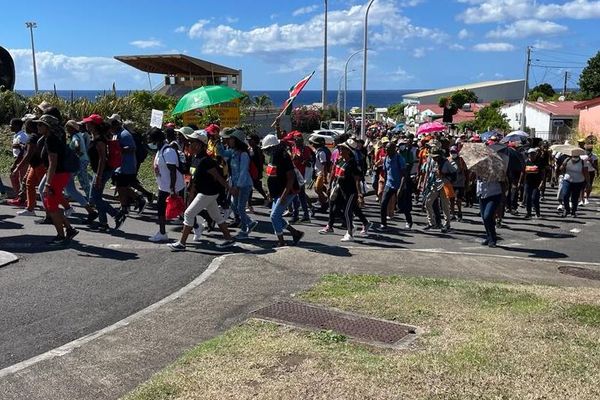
point(124, 180)
point(55, 195)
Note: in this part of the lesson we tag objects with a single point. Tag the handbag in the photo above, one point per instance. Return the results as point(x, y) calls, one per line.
point(175, 207)
point(335, 191)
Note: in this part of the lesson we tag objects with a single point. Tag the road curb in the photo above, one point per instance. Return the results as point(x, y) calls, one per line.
point(7, 258)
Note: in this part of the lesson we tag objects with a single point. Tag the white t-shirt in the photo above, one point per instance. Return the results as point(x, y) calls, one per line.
point(320, 161)
point(589, 160)
point(167, 155)
point(21, 139)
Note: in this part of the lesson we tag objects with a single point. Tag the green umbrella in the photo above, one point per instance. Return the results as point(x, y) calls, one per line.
point(206, 96)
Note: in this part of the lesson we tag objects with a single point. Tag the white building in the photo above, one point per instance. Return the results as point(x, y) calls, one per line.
point(549, 120)
point(486, 92)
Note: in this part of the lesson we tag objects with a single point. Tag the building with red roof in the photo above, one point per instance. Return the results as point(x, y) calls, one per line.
point(589, 117)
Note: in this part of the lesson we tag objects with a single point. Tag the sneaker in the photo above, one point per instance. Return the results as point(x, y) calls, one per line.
point(92, 217)
point(486, 242)
point(103, 228)
point(120, 219)
point(326, 231)
point(560, 207)
point(492, 245)
point(71, 233)
point(365, 230)
point(347, 238)
point(408, 226)
point(250, 210)
point(382, 228)
point(581, 203)
point(226, 244)
point(159, 237)
point(57, 241)
point(177, 246)
point(141, 205)
point(68, 212)
point(198, 233)
point(150, 198)
point(43, 221)
point(445, 229)
point(586, 202)
point(297, 237)
point(252, 227)
point(429, 227)
point(241, 235)
point(26, 213)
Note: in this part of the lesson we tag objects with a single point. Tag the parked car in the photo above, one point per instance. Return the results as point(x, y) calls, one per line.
point(328, 135)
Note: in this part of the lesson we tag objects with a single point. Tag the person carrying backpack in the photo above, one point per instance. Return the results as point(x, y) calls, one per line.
point(394, 168)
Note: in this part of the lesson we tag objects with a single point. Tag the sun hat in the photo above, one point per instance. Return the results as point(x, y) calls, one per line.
point(317, 140)
point(199, 135)
point(269, 141)
point(532, 150)
point(185, 130)
point(239, 135)
point(226, 133)
point(115, 117)
point(44, 106)
point(93, 119)
point(351, 144)
point(73, 124)
point(48, 120)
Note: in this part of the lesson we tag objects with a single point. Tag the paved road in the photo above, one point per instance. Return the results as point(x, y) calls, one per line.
point(51, 297)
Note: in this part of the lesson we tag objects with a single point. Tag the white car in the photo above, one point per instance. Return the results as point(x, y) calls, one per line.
point(328, 135)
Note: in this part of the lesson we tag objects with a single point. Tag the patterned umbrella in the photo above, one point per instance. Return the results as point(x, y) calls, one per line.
point(484, 161)
point(430, 127)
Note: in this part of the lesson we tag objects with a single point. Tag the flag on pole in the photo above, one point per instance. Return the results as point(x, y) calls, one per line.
point(294, 91)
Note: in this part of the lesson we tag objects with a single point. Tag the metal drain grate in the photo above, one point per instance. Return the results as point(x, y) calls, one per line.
point(354, 326)
point(580, 272)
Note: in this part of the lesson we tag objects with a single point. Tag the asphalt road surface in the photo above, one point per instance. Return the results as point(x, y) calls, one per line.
point(53, 296)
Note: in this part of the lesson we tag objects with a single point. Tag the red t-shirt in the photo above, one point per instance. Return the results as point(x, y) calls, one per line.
point(301, 158)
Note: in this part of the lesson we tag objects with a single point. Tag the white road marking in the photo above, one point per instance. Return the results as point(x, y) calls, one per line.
point(575, 230)
point(68, 347)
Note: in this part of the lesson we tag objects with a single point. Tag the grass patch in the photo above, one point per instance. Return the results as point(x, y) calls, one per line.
point(482, 341)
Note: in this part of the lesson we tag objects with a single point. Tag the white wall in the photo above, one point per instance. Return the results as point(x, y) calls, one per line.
point(534, 119)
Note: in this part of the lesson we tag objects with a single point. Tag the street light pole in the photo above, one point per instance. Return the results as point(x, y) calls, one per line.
point(324, 94)
point(364, 80)
point(346, 79)
point(32, 25)
point(339, 98)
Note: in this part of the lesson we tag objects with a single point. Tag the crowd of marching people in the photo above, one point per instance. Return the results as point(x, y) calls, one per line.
point(206, 177)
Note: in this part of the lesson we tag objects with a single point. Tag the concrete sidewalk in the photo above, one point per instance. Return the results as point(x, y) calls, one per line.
point(113, 361)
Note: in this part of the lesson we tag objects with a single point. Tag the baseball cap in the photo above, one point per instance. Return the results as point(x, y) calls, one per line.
point(212, 129)
point(93, 119)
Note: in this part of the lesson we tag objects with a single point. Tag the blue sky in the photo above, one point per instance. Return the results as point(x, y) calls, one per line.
point(415, 43)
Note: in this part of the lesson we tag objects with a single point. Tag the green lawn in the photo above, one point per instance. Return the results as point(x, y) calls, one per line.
point(482, 341)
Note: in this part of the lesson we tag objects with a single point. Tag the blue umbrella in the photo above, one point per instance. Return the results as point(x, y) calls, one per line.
point(516, 136)
point(487, 135)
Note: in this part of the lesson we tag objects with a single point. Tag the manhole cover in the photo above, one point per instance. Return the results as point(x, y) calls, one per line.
point(580, 272)
point(360, 328)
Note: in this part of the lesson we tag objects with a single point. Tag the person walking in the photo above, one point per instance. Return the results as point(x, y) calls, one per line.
point(394, 168)
point(459, 183)
point(575, 177)
point(490, 197)
point(436, 174)
point(257, 165)
point(36, 170)
point(533, 179)
point(591, 161)
point(98, 155)
point(18, 169)
point(283, 187)
point(168, 179)
point(204, 191)
point(322, 170)
point(241, 181)
point(55, 157)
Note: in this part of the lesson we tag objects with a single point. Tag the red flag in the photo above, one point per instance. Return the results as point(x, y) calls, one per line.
point(294, 91)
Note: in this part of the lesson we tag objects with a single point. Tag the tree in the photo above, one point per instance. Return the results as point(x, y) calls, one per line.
point(545, 89)
point(589, 80)
point(262, 102)
point(396, 111)
point(490, 117)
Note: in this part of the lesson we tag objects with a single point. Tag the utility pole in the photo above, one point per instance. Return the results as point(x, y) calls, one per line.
point(363, 110)
point(32, 25)
point(526, 89)
point(565, 85)
point(324, 94)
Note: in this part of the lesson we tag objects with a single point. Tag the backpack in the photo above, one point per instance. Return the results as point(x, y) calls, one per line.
point(114, 156)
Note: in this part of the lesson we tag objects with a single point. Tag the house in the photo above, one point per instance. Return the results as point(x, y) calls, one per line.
point(589, 117)
point(486, 92)
point(548, 120)
point(429, 112)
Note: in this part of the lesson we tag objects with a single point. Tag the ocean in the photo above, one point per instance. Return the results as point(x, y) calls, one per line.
point(377, 98)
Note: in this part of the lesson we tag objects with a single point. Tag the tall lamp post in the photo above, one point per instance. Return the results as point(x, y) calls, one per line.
point(324, 94)
point(346, 79)
point(364, 80)
point(32, 25)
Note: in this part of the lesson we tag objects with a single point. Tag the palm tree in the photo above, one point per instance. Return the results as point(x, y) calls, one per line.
point(263, 101)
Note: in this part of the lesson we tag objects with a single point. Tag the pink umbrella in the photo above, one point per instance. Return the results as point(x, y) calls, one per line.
point(430, 127)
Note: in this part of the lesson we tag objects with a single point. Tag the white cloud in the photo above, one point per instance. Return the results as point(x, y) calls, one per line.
point(485, 11)
point(305, 10)
point(180, 29)
point(400, 75)
point(463, 34)
point(456, 46)
point(387, 28)
point(526, 28)
point(493, 47)
point(73, 72)
point(146, 44)
point(545, 45)
point(419, 52)
point(231, 20)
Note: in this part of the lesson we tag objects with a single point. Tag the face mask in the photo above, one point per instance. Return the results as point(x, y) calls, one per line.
point(402, 148)
point(454, 155)
point(152, 146)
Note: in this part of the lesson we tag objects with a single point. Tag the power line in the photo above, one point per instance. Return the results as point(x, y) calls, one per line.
point(557, 66)
point(563, 52)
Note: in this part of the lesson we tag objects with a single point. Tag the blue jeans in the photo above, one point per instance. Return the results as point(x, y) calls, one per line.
point(74, 194)
point(488, 207)
point(102, 205)
point(300, 201)
point(532, 198)
point(239, 207)
point(84, 178)
point(277, 211)
point(570, 195)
